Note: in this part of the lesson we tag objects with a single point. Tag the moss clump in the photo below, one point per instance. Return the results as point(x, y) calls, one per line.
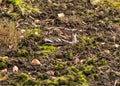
point(47, 49)
point(48, 82)
point(24, 79)
point(69, 55)
point(22, 52)
point(33, 31)
point(24, 7)
point(62, 80)
point(3, 63)
point(74, 69)
point(86, 41)
point(59, 66)
point(82, 79)
point(88, 69)
point(102, 62)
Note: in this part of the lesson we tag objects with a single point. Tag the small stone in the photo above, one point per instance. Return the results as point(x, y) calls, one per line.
point(116, 45)
point(50, 72)
point(61, 15)
point(53, 77)
point(103, 43)
point(36, 62)
point(23, 30)
point(15, 69)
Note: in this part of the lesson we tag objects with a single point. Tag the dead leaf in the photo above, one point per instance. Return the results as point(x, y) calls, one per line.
point(76, 60)
point(3, 78)
point(3, 70)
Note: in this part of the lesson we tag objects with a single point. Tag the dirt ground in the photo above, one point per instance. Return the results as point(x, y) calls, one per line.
point(92, 60)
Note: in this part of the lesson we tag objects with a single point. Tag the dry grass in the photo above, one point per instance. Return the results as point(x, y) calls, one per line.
point(9, 36)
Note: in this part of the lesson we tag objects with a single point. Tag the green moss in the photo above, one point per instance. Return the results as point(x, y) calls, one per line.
point(82, 79)
point(43, 77)
point(116, 20)
point(74, 69)
point(46, 49)
point(69, 55)
point(59, 66)
point(22, 52)
point(91, 61)
point(86, 41)
point(33, 31)
point(48, 82)
point(3, 63)
point(116, 4)
point(63, 80)
point(24, 79)
point(88, 69)
point(102, 62)
point(116, 53)
point(24, 7)
point(13, 15)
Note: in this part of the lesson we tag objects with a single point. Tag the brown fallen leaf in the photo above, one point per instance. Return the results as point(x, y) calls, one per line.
point(36, 62)
point(0, 1)
point(15, 69)
point(3, 78)
point(76, 60)
point(3, 70)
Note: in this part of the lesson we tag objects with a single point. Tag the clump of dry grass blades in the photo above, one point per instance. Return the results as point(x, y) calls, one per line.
point(9, 36)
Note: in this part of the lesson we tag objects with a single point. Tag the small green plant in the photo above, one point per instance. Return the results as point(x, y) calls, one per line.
point(33, 31)
point(24, 8)
point(3, 63)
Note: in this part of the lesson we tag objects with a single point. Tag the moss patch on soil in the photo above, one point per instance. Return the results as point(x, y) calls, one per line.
point(94, 60)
